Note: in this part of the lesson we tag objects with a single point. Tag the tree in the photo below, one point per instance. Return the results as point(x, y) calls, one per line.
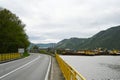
point(12, 33)
point(35, 47)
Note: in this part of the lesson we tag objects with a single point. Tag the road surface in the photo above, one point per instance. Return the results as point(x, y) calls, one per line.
point(34, 67)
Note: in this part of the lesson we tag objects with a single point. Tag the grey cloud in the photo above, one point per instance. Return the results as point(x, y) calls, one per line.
point(54, 20)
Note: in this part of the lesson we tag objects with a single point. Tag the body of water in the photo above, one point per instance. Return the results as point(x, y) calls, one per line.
point(96, 67)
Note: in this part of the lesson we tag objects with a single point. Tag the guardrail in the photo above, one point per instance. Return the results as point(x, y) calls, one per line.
point(69, 72)
point(9, 56)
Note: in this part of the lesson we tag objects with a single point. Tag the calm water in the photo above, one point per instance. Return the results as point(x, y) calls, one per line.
point(96, 67)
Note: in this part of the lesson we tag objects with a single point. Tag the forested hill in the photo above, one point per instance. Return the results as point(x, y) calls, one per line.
point(72, 43)
point(47, 45)
point(109, 39)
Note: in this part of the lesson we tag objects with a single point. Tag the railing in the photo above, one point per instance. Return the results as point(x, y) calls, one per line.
point(69, 72)
point(9, 56)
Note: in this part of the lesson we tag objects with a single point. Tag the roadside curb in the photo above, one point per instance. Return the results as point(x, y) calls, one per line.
point(9, 60)
point(55, 73)
point(18, 68)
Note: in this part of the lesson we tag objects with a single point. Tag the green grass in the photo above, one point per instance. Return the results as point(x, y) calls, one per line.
point(43, 51)
point(25, 54)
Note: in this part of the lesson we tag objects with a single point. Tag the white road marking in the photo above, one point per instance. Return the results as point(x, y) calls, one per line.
point(48, 70)
point(19, 67)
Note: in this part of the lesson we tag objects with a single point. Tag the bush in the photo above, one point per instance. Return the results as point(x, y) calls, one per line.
point(25, 54)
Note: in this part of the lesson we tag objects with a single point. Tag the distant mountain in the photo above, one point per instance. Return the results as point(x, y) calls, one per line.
point(49, 45)
point(31, 46)
point(109, 39)
point(71, 43)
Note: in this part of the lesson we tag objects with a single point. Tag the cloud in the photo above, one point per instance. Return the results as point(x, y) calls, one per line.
point(53, 20)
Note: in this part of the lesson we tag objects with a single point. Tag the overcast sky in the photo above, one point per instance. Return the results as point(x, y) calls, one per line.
point(53, 20)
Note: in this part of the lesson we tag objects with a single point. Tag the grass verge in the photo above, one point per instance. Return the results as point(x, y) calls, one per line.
point(25, 54)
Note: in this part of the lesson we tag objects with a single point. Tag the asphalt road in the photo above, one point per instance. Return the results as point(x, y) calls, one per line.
point(34, 67)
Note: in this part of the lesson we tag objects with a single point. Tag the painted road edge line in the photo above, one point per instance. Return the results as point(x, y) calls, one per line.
point(19, 68)
point(48, 70)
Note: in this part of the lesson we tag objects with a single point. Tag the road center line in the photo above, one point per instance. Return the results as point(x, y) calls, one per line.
point(19, 67)
point(48, 70)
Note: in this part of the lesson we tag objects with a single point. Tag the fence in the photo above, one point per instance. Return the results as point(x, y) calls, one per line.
point(69, 72)
point(9, 56)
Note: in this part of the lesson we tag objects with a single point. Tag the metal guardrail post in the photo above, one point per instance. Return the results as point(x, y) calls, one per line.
point(0, 57)
point(9, 56)
point(68, 71)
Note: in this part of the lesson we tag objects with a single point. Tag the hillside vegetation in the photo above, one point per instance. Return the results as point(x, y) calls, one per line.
point(109, 39)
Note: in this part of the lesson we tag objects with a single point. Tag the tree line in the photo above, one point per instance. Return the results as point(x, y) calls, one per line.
point(12, 32)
